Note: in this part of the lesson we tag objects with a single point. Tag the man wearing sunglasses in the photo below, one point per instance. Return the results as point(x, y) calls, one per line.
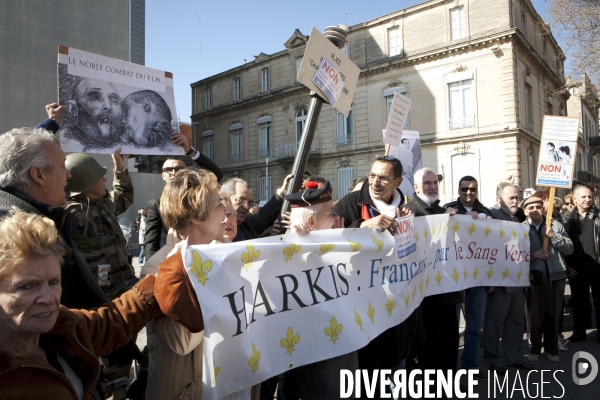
point(376, 205)
point(468, 204)
point(156, 230)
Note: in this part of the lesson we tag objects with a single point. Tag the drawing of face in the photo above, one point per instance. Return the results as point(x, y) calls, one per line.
point(146, 119)
point(97, 108)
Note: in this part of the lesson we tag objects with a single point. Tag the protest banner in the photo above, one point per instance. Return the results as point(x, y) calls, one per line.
point(111, 103)
point(335, 74)
point(396, 119)
point(409, 154)
point(272, 304)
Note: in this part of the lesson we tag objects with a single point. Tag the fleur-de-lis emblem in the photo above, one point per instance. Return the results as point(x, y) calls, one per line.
point(427, 281)
point(289, 251)
point(513, 233)
point(490, 272)
point(371, 313)
point(389, 306)
point(377, 242)
point(438, 278)
point(525, 234)
point(433, 230)
point(505, 273)
point(501, 232)
point(455, 227)
point(519, 274)
point(290, 341)
point(325, 248)
point(455, 275)
point(465, 274)
point(414, 293)
point(199, 268)
point(355, 246)
point(254, 360)
point(475, 273)
point(216, 371)
point(487, 230)
point(445, 228)
point(425, 233)
point(406, 299)
point(472, 229)
point(249, 257)
point(527, 274)
point(417, 237)
point(421, 287)
point(333, 330)
point(358, 320)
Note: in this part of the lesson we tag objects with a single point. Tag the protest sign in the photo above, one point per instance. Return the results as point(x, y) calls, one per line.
point(338, 76)
point(111, 103)
point(396, 119)
point(405, 238)
point(409, 154)
point(273, 304)
point(558, 149)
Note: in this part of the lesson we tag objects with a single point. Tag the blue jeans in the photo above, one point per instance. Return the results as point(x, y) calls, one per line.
point(474, 313)
point(141, 257)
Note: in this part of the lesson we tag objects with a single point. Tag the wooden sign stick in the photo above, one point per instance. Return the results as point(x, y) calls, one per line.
point(549, 215)
point(387, 149)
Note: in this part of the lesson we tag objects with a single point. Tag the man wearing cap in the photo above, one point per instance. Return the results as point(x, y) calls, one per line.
point(98, 235)
point(547, 274)
point(312, 210)
point(377, 205)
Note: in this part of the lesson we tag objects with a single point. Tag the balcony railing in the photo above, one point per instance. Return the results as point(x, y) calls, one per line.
point(594, 141)
point(344, 140)
point(287, 150)
point(264, 153)
point(586, 177)
point(462, 122)
point(237, 157)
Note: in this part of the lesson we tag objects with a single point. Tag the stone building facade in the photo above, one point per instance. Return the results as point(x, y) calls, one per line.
point(481, 74)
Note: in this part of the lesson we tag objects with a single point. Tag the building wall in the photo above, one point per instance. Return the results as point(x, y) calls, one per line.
point(502, 54)
point(32, 30)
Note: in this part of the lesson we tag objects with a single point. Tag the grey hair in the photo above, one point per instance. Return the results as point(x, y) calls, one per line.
point(228, 188)
point(20, 150)
point(502, 185)
point(420, 173)
point(578, 188)
point(299, 215)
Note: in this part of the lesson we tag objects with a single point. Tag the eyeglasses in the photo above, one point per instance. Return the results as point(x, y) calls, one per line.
point(244, 202)
point(172, 170)
point(333, 214)
point(468, 189)
point(385, 158)
point(382, 178)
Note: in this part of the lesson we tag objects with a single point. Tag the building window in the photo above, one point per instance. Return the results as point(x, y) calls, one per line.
point(394, 41)
point(237, 89)
point(194, 98)
point(345, 176)
point(300, 122)
point(264, 80)
point(528, 110)
point(463, 164)
point(208, 98)
point(345, 49)
point(345, 133)
point(457, 22)
point(207, 147)
point(550, 108)
point(461, 104)
point(265, 140)
point(298, 64)
point(266, 188)
point(237, 149)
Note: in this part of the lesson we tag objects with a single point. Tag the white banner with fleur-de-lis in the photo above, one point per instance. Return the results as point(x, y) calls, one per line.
point(273, 304)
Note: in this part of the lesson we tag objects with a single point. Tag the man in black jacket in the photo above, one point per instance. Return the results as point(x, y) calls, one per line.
point(251, 226)
point(154, 224)
point(440, 350)
point(468, 204)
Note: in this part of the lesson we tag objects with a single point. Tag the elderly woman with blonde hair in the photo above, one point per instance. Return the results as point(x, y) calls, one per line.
point(192, 208)
point(48, 351)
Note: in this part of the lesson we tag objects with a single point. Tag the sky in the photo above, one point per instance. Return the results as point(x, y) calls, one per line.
point(195, 39)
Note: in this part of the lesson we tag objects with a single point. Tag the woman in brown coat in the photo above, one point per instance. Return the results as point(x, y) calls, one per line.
point(46, 350)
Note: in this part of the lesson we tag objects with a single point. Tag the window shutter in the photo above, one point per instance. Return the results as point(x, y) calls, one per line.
point(345, 176)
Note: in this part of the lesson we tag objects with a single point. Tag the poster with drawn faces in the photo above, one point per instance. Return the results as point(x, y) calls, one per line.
point(557, 151)
point(409, 154)
point(111, 103)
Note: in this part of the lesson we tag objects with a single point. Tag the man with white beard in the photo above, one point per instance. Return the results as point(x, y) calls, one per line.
point(440, 350)
point(505, 310)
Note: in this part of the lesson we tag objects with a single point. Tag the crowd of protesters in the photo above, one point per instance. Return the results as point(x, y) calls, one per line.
point(69, 297)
